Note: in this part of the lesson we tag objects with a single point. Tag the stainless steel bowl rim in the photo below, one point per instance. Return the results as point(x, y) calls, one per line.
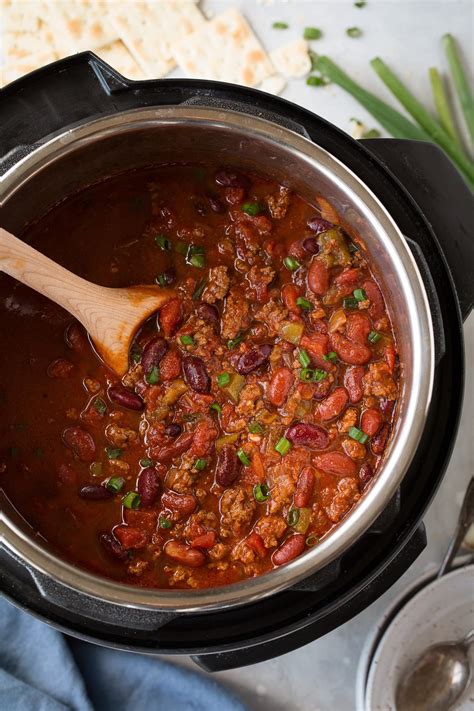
point(403, 446)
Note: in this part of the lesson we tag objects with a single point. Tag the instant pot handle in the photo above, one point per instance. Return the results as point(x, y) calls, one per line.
point(447, 204)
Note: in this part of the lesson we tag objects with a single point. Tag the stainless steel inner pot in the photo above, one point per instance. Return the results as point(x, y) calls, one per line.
point(97, 149)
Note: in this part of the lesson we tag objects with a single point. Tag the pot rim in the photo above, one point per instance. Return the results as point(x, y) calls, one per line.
point(402, 447)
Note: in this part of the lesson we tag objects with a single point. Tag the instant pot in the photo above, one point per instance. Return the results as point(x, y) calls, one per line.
point(77, 121)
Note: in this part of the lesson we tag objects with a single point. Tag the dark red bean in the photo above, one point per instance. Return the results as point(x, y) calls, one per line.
point(379, 441)
point(60, 368)
point(95, 492)
point(182, 504)
point(184, 554)
point(215, 204)
point(125, 398)
point(173, 430)
point(365, 474)
point(386, 406)
point(317, 224)
point(166, 454)
point(253, 359)
point(113, 547)
point(353, 382)
point(148, 486)
point(229, 178)
point(81, 442)
point(153, 353)
point(305, 434)
point(76, 337)
point(196, 375)
point(227, 468)
point(304, 488)
point(289, 549)
point(310, 245)
point(209, 313)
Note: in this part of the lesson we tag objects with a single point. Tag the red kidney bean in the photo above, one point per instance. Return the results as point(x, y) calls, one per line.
point(350, 352)
point(291, 548)
point(95, 492)
point(280, 386)
point(75, 337)
point(353, 382)
point(358, 328)
point(253, 359)
point(173, 430)
point(81, 442)
point(318, 277)
point(289, 294)
point(229, 178)
point(195, 374)
point(113, 547)
point(317, 224)
point(153, 353)
point(215, 204)
point(365, 474)
point(333, 405)
point(304, 488)
point(166, 454)
point(170, 366)
point(60, 368)
point(386, 406)
point(348, 277)
point(377, 305)
point(183, 504)
point(206, 540)
point(305, 434)
point(379, 442)
point(321, 389)
point(170, 316)
point(130, 537)
point(227, 468)
point(336, 463)
point(390, 355)
point(371, 421)
point(184, 554)
point(210, 313)
point(148, 486)
point(317, 345)
point(311, 245)
point(255, 541)
point(125, 398)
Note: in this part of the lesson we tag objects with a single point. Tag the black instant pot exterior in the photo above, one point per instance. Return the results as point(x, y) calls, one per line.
point(434, 209)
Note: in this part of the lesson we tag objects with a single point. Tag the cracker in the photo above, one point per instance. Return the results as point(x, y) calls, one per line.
point(225, 49)
point(19, 45)
point(10, 72)
point(118, 56)
point(175, 20)
point(19, 17)
point(79, 25)
point(292, 60)
point(273, 85)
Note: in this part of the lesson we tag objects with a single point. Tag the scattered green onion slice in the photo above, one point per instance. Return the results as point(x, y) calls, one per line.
point(252, 208)
point(135, 355)
point(314, 80)
point(164, 522)
point(293, 517)
point(304, 358)
point(360, 295)
point(358, 435)
point(312, 540)
point(304, 303)
point(200, 464)
point(332, 356)
point(312, 33)
point(153, 376)
point(187, 340)
point(198, 289)
point(233, 342)
point(131, 500)
point(161, 280)
point(215, 406)
point(283, 446)
point(243, 457)
point(115, 484)
point(182, 247)
point(280, 26)
point(374, 337)
point(350, 303)
point(261, 493)
point(360, 3)
point(255, 427)
point(114, 453)
point(312, 375)
point(163, 242)
point(146, 463)
point(196, 260)
point(96, 468)
point(99, 405)
point(291, 264)
point(371, 133)
point(353, 32)
point(223, 379)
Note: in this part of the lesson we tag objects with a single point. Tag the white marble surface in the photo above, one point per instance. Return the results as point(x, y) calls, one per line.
point(321, 676)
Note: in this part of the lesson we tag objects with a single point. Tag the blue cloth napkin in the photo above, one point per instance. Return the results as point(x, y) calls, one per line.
point(43, 670)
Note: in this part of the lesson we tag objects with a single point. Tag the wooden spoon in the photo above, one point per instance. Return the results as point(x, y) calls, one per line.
point(111, 316)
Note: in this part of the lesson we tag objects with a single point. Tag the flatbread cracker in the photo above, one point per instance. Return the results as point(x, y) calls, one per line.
point(273, 85)
point(174, 20)
point(79, 25)
point(118, 56)
point(10, 72)
point(292, 60)
point(225, 49)
point(19, 17)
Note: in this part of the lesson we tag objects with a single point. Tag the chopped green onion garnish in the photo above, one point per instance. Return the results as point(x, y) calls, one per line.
point(312, 33)
point(243, 457)
point(353, 32)
point(163, 242)
point(196, 260)
point(187, 340)
point(233, 342)
point(200, 464)
point(293, 517)
point(182, 247)
point(304, 358)
point(358, 435)
point(304, 303)
point(283, 446)
point(360, 3)
point(291, 264)
point(96, 468)
point(371, 133)
point(261, 493)
point(215, 406)
point(153, 376)
point(280, 26)
point(114, 453)
point(350, 303)
point(164, 522)
point(310, 375)
point(312, 540)
point(131, 500)
point(374, 337)
point(146, 463)
point(115, 484)
point(99, 405)
point(135, 355)
point(332, 356)
point(255, 427)
point(252, 208)
point(360, 295)
point(161, 280)
point(314, 80)
point(223, 379)
point(198, 289)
